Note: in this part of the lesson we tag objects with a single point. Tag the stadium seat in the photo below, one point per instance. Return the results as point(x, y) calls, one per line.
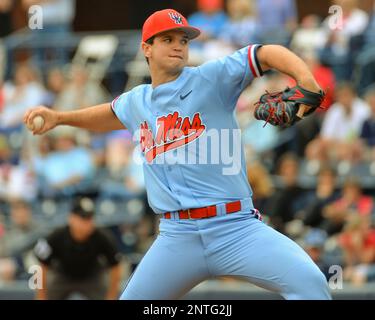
point(95, 53)
point(118, 211)
point(137, 70)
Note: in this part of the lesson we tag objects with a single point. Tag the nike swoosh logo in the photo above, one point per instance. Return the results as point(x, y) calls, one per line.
point(183, 97)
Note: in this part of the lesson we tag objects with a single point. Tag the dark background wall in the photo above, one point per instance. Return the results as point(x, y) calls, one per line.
point(125, 14)
point(130, 14)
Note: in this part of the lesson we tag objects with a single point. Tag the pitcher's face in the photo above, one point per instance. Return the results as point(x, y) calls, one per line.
point(169, 50)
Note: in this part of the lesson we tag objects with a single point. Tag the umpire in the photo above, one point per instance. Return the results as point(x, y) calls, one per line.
point(77, 258)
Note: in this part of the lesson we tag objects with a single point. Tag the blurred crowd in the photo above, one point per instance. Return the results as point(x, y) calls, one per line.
point(313, 182)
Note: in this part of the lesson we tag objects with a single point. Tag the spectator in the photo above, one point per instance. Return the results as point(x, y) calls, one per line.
point(25, 91)
point(368, 128)
point(358, 243)
point(210, 19)
point(307, 130)
point(325, 193)
point(352, 203)
point(261, 183)
point(341, 128)
point(6, 164)
point(313, 243)
point(16, 178)
point(56, 178)
point(76, 258)
point(240, 30)
point(285, 202)
point(277, 20)
point(58, 16)
point(17, 182)
point(369, 39)
point(365, 59)
point(125, 176)
point(17, 241)
point(354, 21)
point(309, 37)
point(79, 91)
point(336, 52)
point(56, 83)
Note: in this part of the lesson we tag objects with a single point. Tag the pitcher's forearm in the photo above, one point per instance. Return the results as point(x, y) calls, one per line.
point(98, 118)
point(283, 60)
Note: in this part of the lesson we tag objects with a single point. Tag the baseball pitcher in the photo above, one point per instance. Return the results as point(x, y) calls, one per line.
point(209, 226)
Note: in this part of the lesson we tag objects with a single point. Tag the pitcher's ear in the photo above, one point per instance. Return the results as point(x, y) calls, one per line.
point(146, 48)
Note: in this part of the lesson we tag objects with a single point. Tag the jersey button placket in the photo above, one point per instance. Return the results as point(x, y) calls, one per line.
point(173, 180)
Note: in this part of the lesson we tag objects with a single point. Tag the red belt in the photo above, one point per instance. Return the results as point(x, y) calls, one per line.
point(205, 212)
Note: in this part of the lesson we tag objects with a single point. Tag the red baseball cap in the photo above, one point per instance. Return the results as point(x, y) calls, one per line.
point(165, 20)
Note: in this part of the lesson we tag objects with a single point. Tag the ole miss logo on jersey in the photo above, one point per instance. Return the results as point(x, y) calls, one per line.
point(173, 132)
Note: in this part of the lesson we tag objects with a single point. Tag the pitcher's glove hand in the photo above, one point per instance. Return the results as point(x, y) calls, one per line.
point(281, 108)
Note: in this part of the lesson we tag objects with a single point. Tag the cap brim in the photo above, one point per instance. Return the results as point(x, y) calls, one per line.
point(191, 32)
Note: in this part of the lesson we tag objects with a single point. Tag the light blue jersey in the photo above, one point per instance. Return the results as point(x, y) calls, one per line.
point(204, 164)
point(189, 141)
point(176, 122)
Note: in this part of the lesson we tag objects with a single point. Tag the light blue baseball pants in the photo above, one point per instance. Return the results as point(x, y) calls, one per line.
point(187, 252)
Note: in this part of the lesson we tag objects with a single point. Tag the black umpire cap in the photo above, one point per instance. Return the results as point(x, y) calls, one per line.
point(83, 207)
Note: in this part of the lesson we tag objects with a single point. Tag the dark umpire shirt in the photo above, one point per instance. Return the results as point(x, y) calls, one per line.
point(73, 259)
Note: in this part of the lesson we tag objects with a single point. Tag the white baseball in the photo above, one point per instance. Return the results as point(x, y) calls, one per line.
point(38, 123)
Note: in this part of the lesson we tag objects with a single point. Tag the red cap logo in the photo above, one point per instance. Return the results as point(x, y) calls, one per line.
point(176, 17)
point(166, 20)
